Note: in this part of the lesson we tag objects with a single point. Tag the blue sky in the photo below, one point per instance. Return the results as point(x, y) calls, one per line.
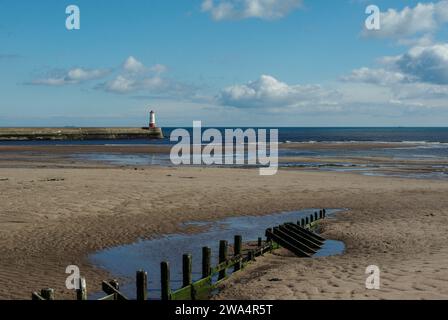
point(225, 62)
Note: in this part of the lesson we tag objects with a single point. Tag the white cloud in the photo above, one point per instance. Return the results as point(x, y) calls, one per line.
point(120, 84)
point(423, 18)
point(243, 9)
point(421, 64)
point(428, 64)
point(376, 76)
point(73, 76)
point(137, 77)
point(132, 65)
point(268, 92)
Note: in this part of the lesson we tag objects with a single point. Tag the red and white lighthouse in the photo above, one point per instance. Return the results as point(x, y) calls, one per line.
point(152, 119)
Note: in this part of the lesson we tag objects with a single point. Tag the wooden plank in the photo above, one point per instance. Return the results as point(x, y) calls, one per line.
point(181, 294)
point(294, 241)
point(201, 290)
point(112, 296)
point(111, 287)
point(36, 296)
point(304, 240)
point(47, 293)
point(307, 232)
point(301, 236)
point(284, 243)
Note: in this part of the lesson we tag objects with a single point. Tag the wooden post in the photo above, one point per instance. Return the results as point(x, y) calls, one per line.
point(186, 270)
point(311, 218)
point(47, 294)
point(268, 238)
point(142, 285)
point(251, 255)
point(223, 249)
point(321, 215)
point(81, 293)
point(324, 212)
point(315, 216)
point(307, 221)
point(165, 280)
point(260, 242)
point(302, 222)
point(237, 246)
point(206, 261)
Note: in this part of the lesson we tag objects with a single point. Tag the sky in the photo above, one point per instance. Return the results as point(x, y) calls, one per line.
point(306, 63)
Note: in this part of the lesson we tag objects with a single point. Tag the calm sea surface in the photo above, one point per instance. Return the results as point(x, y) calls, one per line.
point(429, 144)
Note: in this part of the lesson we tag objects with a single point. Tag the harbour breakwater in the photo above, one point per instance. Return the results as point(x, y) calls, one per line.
point(28, 134)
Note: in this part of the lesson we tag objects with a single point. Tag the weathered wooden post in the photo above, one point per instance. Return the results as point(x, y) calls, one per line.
point(81, 293)
point(142, 285)
point(186, 270)
point(237, 246)
point(311, 218)
point(47, 293)
point(321, 215)
point(324, 213)
point(251, 255)
point(268, 232)
point(223, 250)
point(260, 242)
point(316, 217)
point(307, 221)
point(165, 280)
point(302, 222)
point(206, 261)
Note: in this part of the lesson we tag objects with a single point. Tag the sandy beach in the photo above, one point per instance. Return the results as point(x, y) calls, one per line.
point(56, 211)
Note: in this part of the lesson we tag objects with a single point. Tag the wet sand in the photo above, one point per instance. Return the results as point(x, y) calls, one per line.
point(56, 212)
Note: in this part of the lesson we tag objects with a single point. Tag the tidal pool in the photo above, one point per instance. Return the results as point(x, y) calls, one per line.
point(123, 261)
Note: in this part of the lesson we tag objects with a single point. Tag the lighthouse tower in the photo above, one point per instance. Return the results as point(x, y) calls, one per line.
point(152, 119)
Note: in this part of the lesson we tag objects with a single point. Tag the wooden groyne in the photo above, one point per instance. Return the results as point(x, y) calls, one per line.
point(30, 134)
point(298, 237)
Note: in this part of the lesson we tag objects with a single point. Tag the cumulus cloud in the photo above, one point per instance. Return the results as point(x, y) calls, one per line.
point(72, 76)
point(135, 76)
point(423, 18)
point(132, 65)
point(428, 64)
point(243, 9)
point(425, 64)
point(268, 92)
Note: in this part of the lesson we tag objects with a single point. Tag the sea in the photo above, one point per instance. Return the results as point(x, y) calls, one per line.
point(429, 144)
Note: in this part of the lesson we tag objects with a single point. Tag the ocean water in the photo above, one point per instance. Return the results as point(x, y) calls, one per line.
point(430, 144)
point(286, 134)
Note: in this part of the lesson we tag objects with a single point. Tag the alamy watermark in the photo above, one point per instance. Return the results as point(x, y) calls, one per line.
point(226, 147)
point(373, 21)
point(73, 20)
point(74, 280)
point(373, 278)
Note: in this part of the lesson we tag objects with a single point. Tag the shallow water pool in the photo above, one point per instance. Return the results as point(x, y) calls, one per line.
point(123, 261)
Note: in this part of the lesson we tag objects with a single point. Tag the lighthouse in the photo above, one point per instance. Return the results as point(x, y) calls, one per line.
point(152, 119)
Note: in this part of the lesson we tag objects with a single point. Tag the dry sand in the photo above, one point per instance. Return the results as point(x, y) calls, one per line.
point(56, 215)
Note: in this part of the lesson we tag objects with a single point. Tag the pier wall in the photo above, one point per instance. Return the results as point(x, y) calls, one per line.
point(28, 134)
